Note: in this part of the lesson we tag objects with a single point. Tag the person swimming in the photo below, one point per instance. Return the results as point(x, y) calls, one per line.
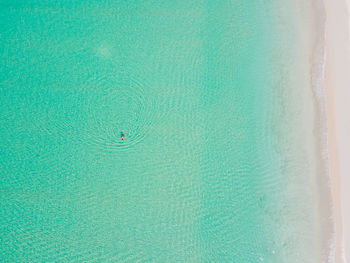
point(122, 135)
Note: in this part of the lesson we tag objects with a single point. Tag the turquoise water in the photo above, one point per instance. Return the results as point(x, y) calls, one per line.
point(199, 175)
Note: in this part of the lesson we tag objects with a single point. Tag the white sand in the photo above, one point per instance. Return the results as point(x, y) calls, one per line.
point(337, 84)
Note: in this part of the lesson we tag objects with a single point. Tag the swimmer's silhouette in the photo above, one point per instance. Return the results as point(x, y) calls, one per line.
point(122, 135)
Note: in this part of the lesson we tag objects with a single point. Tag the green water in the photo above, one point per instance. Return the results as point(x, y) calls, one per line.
point(198, 175)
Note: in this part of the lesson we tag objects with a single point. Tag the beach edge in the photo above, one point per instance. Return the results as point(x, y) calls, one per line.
point(336, 78)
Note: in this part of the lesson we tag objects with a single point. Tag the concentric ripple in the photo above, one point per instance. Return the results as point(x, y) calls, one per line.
point(119, 104)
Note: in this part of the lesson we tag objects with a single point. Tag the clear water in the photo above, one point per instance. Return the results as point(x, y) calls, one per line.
point(199, 176)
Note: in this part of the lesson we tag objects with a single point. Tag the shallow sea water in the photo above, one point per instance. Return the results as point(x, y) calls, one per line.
point(199, 177)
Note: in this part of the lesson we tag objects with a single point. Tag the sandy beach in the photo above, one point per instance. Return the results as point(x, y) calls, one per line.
point(337, 83)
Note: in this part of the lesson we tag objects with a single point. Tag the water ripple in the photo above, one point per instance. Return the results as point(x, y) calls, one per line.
point(119, 104)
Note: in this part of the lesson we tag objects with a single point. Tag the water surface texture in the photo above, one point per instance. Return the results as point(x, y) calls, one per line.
point(200, 176)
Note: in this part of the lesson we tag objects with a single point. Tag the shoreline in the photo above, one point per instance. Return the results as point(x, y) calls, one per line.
point(336, 85)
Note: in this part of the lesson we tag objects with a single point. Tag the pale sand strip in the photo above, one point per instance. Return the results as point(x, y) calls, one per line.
point(337, 84)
